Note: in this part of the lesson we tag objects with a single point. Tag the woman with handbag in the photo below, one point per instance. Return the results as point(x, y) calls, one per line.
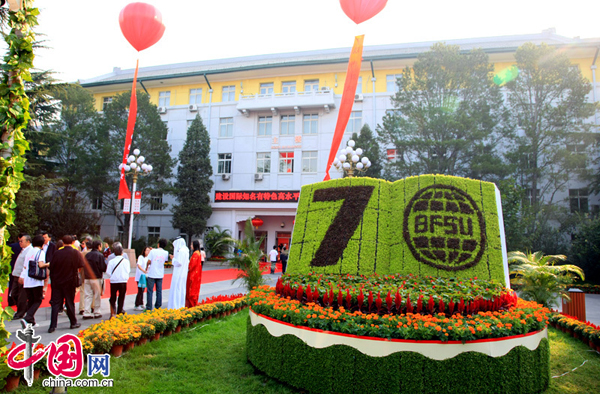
point(32, 278)
point(118, 269)
point(140, 278)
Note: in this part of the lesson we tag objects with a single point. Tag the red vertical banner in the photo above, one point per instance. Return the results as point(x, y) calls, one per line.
point(137, 202)
point(123, 189)
point(347, 100)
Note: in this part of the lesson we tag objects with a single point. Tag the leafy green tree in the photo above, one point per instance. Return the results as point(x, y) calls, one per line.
point(218, 241)
point(539, 279)
point(193, 183)
point(449, 117)
point(368, 143)
point(549, 100)
point(248, 258)
point(585, 250)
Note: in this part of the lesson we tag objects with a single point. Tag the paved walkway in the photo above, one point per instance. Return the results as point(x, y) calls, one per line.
point(42, 316)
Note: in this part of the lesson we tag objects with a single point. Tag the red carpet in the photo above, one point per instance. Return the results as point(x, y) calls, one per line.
point(207, 277)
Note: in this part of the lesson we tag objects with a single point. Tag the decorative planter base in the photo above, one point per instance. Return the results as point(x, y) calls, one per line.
point(12, 382)
point(157, 336)
point(343, 369)
point(36, 374)
point(116, 350)
point(167, 333)
point(129, 346)
point(142, 341)
point(177, 329)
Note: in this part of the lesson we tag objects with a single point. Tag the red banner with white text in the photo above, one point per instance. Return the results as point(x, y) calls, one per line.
point(123, 189)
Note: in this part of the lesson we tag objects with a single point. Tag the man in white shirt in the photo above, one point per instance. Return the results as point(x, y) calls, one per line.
point(19, 294)
point(156, 271)
point(273, 257)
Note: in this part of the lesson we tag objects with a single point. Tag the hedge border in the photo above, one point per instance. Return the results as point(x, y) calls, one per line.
point(342, 369)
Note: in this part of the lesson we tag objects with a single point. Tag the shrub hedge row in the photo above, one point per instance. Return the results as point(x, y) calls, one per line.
point(342, 369)
point(448, 230)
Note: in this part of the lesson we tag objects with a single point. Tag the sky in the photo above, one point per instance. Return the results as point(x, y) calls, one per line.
point(85, 40)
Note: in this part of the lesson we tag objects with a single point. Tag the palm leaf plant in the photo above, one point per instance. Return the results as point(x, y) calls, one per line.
point(539, 279)
point(247, 260)
point(218, 241)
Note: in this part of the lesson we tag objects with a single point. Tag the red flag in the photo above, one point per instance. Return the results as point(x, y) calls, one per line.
point(347, 100)
point(123, 189)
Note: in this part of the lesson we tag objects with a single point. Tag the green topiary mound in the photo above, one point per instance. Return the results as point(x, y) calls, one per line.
point(342, 369)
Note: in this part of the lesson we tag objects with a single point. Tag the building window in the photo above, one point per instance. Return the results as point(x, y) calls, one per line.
point(164, 99)
point(228, 93)
point(263, 163)
point(288, 87)
point(105, 102)
point(153, 234)
point(578, 200)
point(156, 202)
point(286, 162)
point(310, 123)
point(311, 85)
point(578, 155)
point(226, 127)
point(392, 154)
point(287, 124)
point(97, 202)
point(224, 163)
point(266, 88)
point(309, 161)
point(265, 124)
point(392, 82)
point(195, 96)
point(355, 122)
point(529, 194)
point(359, 85)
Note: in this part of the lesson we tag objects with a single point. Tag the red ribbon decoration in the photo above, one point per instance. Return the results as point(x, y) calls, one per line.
point(347, 100)
point(123, 188)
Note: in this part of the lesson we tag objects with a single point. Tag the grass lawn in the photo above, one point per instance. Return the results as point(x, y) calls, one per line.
point(210, 358)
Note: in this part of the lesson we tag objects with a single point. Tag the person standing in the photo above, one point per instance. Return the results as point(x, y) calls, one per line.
point(284, 258)
point(118, 269)
point(203, 255)
point(140, 278)
point(18, 293)
point(181, 259)
point(64, 268)
point(95, 267)
point(34, 288)
point(273, 257)
point(194, 277)
point(49, 246)
point(156, 271)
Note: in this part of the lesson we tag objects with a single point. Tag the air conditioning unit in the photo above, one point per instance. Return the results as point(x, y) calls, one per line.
point(358, 97)
point(162, 110)
point(193, 107)
point(258, 177)
point(226, 177)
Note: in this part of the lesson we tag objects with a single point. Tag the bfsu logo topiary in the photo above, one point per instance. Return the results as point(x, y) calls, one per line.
point(444, 228)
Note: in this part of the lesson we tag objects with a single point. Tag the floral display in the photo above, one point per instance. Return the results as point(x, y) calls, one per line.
point(124, 329)
point(523, 318)
point(397, 293)
point(589, 333)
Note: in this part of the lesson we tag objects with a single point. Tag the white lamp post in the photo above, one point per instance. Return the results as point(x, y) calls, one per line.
point(135, 166)
point(350, 161)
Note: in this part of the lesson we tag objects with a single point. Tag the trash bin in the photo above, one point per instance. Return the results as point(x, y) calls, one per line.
point(575, 307)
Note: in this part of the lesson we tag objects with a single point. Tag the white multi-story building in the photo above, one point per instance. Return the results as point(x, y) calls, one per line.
point(271, 120)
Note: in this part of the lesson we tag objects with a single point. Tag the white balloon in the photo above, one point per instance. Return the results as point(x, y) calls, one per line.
point(136, 151)
point(342, 158)
point(343, 151)
point(355, 158)
point(350, 151)
point(141, 159)
point(150, 167)
point(368, 164)
point(359, 166)
point(134, 165)
point(364, 160)
point(127, 168)
point(358, 151)
point(351, 143)
point(131, 159)
point(347, 166)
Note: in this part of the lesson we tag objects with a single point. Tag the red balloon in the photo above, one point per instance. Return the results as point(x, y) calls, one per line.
point(141, 25)
point(362, 10)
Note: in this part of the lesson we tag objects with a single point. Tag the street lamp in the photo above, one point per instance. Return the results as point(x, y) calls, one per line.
point(350, 161)
point(135, 166)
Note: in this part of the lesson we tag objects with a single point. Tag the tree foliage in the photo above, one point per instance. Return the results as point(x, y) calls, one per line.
point(585, 251)
point(248, 258)
point(218, 241)
point(368, 143)
point(449, 117)
point(193, 183)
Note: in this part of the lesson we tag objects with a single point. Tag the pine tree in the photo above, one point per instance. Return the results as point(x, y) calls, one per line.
point(371, 150)
point(193, 183)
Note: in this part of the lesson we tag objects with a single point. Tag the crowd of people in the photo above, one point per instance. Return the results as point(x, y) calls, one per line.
point(72, 267)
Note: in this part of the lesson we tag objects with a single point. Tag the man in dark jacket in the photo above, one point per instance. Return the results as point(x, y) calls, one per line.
point(63, 275)
point(95, 266)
